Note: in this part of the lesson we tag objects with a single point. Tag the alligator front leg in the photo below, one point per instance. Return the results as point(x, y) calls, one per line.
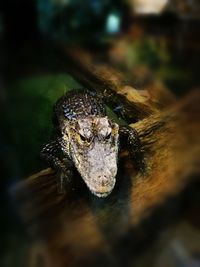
point(52, 153)
point(129, 138)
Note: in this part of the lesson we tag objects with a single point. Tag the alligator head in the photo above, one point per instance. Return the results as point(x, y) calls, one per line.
point(93, 147)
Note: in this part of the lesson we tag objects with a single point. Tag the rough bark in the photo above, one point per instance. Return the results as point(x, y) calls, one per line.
point(78, 229)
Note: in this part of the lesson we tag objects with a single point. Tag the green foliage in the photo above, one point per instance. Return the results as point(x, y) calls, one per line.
point(30, 110)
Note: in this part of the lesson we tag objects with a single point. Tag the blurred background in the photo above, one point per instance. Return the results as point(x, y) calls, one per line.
point(152, 42)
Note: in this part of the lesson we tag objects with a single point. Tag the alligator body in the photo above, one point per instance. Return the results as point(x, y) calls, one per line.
point(87, 139)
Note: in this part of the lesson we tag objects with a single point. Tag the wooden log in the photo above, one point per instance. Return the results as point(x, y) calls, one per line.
point(79, 229)
point(136, 104)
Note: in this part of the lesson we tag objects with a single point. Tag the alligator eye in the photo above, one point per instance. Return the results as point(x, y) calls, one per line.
point(83, 138)
point(108, 136)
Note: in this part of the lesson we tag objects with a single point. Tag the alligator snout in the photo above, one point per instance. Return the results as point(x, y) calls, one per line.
point(103, 181)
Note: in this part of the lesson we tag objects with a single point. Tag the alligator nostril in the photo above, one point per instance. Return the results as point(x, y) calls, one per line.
point(103, 181)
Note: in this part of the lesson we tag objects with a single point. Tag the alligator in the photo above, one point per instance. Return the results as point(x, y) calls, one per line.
point(87, 139)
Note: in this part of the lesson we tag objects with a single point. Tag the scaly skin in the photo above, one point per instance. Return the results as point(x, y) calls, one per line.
point(89, 140)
